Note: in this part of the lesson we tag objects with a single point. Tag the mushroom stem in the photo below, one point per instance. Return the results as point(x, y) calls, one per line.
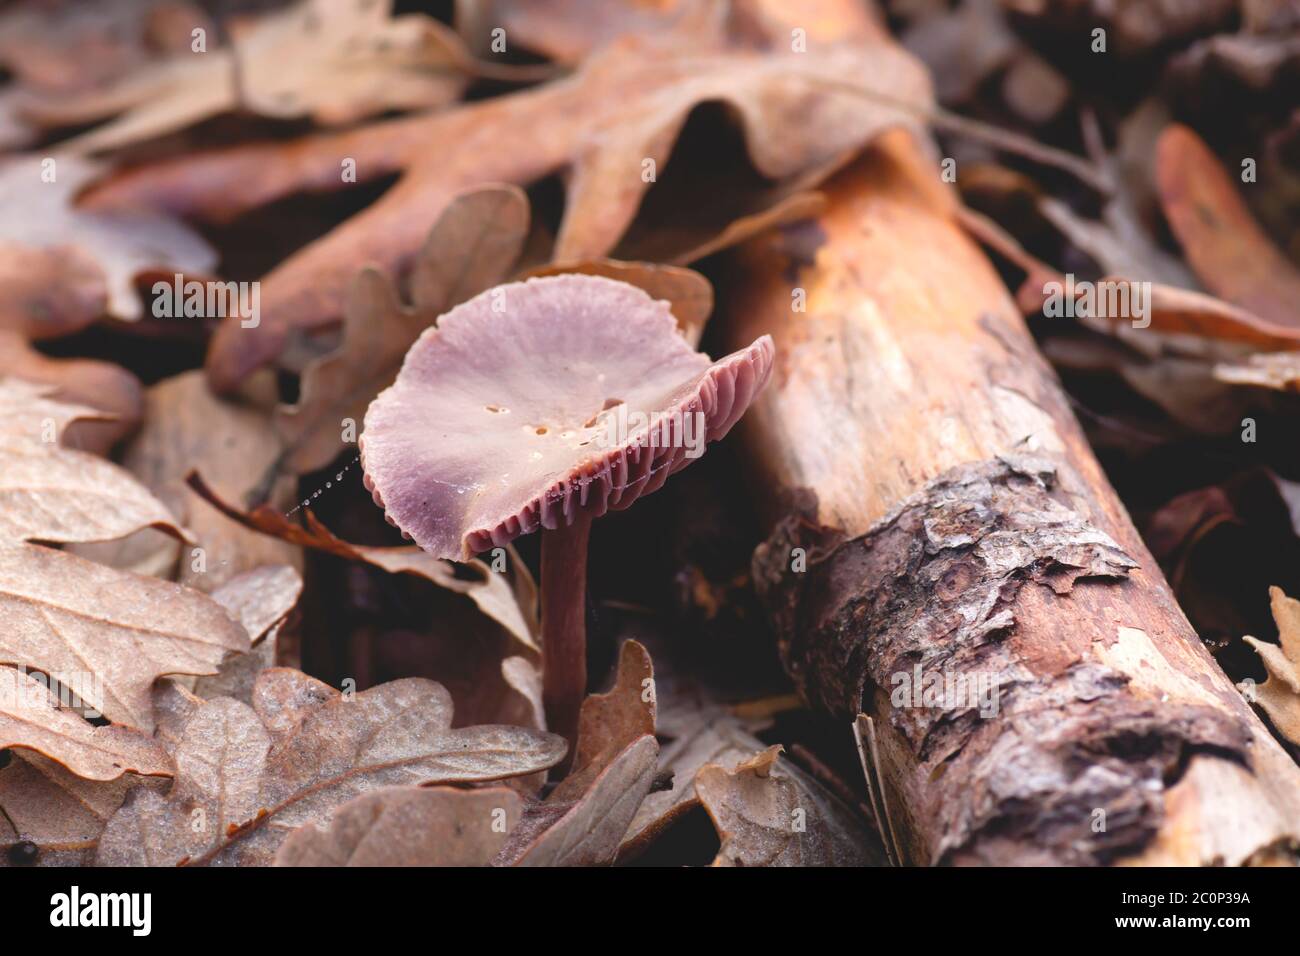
point(564, 626)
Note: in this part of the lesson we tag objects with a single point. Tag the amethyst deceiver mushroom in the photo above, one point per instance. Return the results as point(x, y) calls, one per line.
point(544, 404)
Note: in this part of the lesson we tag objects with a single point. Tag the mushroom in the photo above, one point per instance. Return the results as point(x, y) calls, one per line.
point(544, 404)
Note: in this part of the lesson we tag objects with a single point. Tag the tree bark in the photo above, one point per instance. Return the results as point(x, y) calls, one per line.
point(934, 504)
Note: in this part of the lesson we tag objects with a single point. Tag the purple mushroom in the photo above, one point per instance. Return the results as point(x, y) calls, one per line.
point(544, 404)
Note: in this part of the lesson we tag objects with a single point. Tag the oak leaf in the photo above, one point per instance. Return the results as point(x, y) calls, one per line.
point(260, 600)
point(187, 427)
point(65, 615)
point(1279, 696)
point(409, 826)
point(56, 494)
point(606, 125)
point(333, 61)
point(111, 390)
point(31, 717)
point(767, 817)
point(302, 751)
point(582, 821)
point(45, 804)
point(41, 214)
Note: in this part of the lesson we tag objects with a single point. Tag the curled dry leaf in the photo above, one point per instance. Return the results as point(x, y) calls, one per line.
point(609, 722)
point(766, 817)
point(699, 730)
point(582, 821)
point(43, 803)
point(587, 831)
point(68, 616)
point(409, 826)
point(508, 598)
point(625, 107)
point(334, 61)
point(31, 718)
point(37, 197)
point(472, 246)
point(1279, 696)
point(47, 418)
point(1225, 246)
point(259, 774)
point(55, 494)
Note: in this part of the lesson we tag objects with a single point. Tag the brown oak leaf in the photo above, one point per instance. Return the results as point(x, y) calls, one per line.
point(766, 816)
point(409, 826)
point(1279, 696)
point(801, 113)
point(302, 751)
point(31, 717)
point(68, 616)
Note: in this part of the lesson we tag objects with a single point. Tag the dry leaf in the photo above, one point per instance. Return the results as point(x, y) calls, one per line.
point(583, 820)
point(609, 722)
point(1225, 246)
point(766, 818)
point(47, 418)
point(707, 738)
point(472, 246)
point(588, 831)
point(55, 494)
point(79, 44)
point(41, 215)
point(624, 108)
point(220, 763)
point(31, 717)
point(509, 598)
point(188, 427)
point(43, 803)
point(68, 616)
point(297, 759)
point(409, 826)
point(1279, 696)
point(334, 61)
point(567, 32)
point(110, 389)
point(1279, 371)
point(50, 291)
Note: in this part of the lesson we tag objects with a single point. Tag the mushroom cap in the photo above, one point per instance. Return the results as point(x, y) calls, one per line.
point(536, 401)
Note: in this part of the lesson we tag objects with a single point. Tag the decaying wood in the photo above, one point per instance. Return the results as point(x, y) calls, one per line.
point(919, 450)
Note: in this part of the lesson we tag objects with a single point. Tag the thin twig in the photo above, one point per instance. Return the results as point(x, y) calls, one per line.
point(995, 136)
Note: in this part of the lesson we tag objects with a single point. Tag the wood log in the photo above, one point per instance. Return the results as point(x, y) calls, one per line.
point(936, 513)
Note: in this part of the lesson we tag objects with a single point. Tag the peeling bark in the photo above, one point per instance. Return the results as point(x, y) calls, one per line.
point(933, 589)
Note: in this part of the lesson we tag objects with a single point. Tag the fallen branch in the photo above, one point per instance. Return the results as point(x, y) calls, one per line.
point(937, 514)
